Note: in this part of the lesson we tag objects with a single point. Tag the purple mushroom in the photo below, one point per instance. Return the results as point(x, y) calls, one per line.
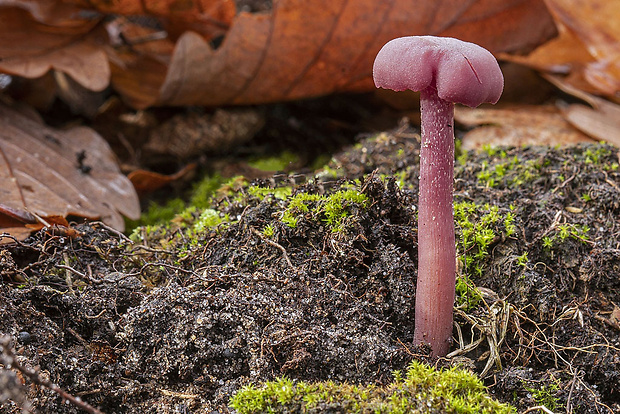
point(445, 71)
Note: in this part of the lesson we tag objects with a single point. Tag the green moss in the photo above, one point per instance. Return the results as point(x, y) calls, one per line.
point(203, 191)
point(269, 231)
point(279, 162)
point(545, 394)
point(523, 260)
point(515, 172)
point(199, 198)
point(157, 213)
point(331, 209)
point(478, 227)
point(424, 389)
point(281, 193)
point(564, 231)
point(209, 218)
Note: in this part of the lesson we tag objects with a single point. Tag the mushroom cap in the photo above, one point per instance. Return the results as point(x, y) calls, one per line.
point(462, 72)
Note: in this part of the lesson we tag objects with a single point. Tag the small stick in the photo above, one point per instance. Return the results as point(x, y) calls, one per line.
point(9, 360)
point(274, 244)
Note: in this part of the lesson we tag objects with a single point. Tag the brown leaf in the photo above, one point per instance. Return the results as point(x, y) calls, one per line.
point(594, 122)
point(30, 48)
point(597, 24)
point(587, 48)
point(602, 122)
point(189, 135)
point(301, 49)
point(307, 49)
point(208, 17)
point(48, 172)
point(148, 181)
point(516, 126)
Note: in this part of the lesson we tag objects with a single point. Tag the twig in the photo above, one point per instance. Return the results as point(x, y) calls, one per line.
point(111, 230)
point(538, 407)
point(274, 244)
point(9, 360)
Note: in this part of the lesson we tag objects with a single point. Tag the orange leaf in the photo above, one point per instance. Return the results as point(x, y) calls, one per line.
point(304, 49)
point(300, 49)
point(601, 122)
point(209, 17)
point(148, 181)
point(588, 47)
point(30, 48)
point(597, 24)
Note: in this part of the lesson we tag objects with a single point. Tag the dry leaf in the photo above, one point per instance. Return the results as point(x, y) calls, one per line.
point(594, 122)
point(30, 48)
point(516, 126)
point(597, 24)
point(148, 181)
point(300, 49)
point(189, 135)
point(587, 48)
point(48, 172)
point(602, 122)
point(304, 49)
point(208, 17)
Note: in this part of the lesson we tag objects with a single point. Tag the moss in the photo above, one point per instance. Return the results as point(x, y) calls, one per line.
point(424, 389)
point(281, 193)
point(280, 162)
point(478, 227)
point(269, 231)
point(208, 218)
point(564, 231)
point(515, 172)
point(545, 394)
point(200, 197)
point(331, 209)
point(157, 213)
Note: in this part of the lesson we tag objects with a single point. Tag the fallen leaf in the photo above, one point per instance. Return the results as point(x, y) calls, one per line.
point(208, 17)
point(189, 135)
point(516, 126)
point(47, 172)
point(587, 49)
point(593, 122)
point(597, 24)
point(601, 122)
point(297, 50)
point(306, 49)
point(30, 48)
point(148, 181)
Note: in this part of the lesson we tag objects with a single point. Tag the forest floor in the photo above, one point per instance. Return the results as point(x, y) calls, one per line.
point(314, 279)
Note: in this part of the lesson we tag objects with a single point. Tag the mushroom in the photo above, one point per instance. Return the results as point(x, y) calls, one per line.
point(445, 71)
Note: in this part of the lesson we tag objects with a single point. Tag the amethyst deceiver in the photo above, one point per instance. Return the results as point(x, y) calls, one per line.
point(445, 71)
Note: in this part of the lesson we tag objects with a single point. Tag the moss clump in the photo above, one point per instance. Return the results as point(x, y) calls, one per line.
point(280, 162)
point(200, 198)
point(332, 209)
point(546, 395)
point(478, 227)
point(514, 172)
point(423, 390)
point(281, 193)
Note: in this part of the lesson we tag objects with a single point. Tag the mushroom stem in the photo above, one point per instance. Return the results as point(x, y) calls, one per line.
point(436, 242)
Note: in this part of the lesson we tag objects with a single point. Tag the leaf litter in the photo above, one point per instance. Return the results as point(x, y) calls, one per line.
point(183, 316)
point(47, 173)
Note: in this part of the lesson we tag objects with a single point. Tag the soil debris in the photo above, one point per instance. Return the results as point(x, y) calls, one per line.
point(316, 282)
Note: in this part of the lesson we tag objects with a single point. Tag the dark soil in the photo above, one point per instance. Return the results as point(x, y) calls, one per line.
point(171, 325)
